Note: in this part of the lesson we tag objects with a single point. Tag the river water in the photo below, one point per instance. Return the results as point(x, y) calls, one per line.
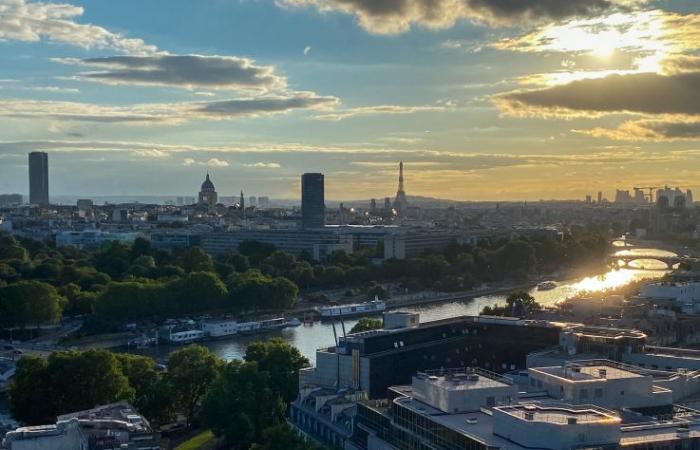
point(308, 338)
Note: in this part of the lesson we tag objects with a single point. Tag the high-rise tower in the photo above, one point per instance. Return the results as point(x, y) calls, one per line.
point(400, 203)
point(313, 206)
point(39, 178)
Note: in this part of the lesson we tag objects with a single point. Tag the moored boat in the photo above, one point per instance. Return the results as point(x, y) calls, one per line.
point(357, 309)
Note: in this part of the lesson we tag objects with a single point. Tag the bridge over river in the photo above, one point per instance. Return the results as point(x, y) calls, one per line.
point(669, 260)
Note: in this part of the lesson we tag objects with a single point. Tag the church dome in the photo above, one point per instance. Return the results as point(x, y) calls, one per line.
point(208, 186)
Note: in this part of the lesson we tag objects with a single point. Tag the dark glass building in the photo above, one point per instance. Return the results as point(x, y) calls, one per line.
point(313, 206)
point(39, 178)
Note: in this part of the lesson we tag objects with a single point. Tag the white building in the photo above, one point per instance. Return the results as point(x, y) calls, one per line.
point(64, 435)
point(686, 295)
point(92, 238)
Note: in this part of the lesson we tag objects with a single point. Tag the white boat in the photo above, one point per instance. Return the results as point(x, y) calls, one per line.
point(215, 329)
point(262, 325)
point(357, 309)
point(547, 286)
point(185, 336)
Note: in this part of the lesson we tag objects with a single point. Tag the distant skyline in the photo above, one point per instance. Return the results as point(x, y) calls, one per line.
point(482, 99)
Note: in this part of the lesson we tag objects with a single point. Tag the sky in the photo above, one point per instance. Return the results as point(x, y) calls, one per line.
point(481, 99)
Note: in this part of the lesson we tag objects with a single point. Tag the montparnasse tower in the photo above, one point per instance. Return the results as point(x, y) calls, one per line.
point(400, 203)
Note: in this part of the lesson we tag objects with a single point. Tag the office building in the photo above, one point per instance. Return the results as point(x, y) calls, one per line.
point(313, 206)
point(39, 178)
point(10, 199)
point(106, 427)
point(586, 405)
point(92, 239)
point(367, 361)
point(319, 243)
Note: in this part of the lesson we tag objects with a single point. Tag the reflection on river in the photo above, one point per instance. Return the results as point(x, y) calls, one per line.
point(308, 338)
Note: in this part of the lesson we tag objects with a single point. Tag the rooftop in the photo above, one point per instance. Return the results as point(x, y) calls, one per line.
point(600, 371)
point(559, 415)
point(464, 379)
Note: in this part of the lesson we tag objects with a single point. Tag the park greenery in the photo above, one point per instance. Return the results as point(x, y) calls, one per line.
point(366, 324)
point(242, 402)
point(118, 283)
point(518, 304)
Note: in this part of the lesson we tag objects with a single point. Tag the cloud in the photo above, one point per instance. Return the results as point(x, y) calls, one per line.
point(55, 22)
point(398, 16)
point(263, 165)
point(163, 112)
point(215, 162)
point(379, 109)
point(187, 71)
point(644, 93)
point(682, 63)
point(656, 130)
point(307, 49)
point(151, 153)
point(265, 105)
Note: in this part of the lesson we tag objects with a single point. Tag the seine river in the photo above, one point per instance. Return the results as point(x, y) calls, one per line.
point(308, 338)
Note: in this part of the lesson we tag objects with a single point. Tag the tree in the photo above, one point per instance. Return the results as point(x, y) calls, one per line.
point(241, 403)
point(152, 392)
point(11, 249)
point(194, 259)
point(81, 380)
point(28, 393)
point(26, 302)
point(282, 437)
point(113, 258)
point(255, 251)
point(190, 371)
point(282, 361)
point(376, 290)
point(366, 324)
point(522, 301)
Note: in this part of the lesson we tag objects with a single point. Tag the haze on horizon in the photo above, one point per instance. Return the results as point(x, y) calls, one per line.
point(482, 99)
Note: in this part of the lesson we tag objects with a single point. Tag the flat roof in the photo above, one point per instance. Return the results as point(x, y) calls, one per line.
point(559, 415)
point(576, 373)
point(463, 381)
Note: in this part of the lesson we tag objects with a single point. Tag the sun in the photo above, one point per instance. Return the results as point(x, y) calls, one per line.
point(604, 50)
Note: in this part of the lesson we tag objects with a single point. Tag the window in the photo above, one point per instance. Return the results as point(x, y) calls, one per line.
point(598, 393)
point(490, 401)
point(583, 394)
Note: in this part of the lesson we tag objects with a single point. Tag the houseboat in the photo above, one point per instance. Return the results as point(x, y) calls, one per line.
point(357, 309)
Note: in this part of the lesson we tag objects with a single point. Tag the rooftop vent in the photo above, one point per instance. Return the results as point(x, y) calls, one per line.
point(472, 377)
point(571, 421)
point(602, 373)
point(529, 415)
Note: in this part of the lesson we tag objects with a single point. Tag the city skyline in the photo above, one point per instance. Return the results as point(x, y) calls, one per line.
point(481, 102)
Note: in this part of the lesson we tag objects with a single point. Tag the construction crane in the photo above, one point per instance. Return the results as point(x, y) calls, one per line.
point(651, 191)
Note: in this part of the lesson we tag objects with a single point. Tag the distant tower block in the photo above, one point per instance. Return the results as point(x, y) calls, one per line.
point(313, 206)
point(400, 203)
point(39, 178)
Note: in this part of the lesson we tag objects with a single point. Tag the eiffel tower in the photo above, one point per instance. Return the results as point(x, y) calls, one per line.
point(400, 203)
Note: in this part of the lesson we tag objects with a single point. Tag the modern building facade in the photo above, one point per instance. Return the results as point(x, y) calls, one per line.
point(39, 178)
point(318, 243)
point(313, 206)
